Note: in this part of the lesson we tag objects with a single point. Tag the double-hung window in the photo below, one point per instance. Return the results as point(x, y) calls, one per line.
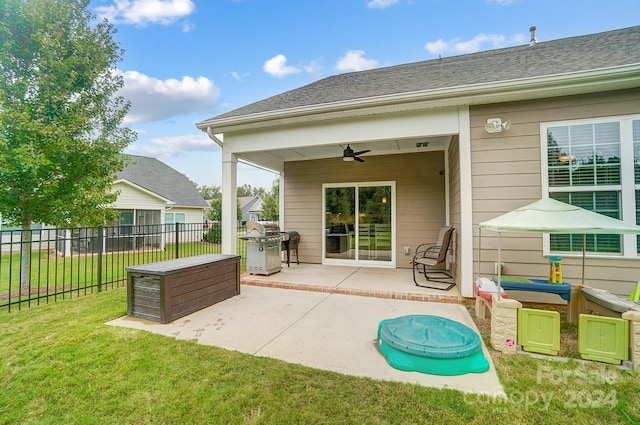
point(595, 164)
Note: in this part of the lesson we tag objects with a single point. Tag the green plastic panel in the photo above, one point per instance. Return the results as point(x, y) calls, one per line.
point(603, 339)
point(539, 331)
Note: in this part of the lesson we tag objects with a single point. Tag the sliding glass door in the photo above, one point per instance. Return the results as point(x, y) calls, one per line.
point(358, 223)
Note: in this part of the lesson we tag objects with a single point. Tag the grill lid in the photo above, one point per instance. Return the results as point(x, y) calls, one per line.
point(262, 228)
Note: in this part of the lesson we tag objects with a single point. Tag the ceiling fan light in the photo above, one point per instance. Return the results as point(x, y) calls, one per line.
point(347, 158)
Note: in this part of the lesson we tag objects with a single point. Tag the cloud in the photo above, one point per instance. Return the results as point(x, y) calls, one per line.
point(239, 77)
point(381, 4)
point(153, 99)
point(173, 146)
point(277, 67)
point(144, 12)
point(353, 61)
point(188, 26)
point(314, 67)
point(479, 42)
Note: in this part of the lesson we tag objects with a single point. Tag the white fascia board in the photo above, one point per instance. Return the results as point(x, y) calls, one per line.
point(483, 93)
point(185, 207)
point(409, 124)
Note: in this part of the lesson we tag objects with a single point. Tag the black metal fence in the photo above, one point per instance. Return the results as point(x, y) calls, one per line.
point(45, 265)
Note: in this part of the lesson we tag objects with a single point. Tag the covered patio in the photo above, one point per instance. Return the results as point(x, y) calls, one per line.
point(346, 183)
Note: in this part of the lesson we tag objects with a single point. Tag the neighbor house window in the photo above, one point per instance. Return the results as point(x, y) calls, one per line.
point(589, 164)
point(172, 218)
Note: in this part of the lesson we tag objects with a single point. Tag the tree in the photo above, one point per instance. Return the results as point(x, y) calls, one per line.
point(209, 192)
point(244, 190)
point(215, 212)
point(271, 203)
point(61, 138)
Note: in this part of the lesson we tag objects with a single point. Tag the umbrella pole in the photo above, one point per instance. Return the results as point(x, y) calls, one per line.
point(499, 268)
point(479, 251)
point(584, 250)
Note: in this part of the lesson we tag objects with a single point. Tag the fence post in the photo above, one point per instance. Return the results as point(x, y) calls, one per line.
point(177, 240)
point(99, 248)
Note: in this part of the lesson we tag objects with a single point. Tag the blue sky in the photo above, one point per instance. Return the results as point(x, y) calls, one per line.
point(188, 60)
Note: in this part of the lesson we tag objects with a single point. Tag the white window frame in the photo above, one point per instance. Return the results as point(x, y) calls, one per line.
point(627, 187)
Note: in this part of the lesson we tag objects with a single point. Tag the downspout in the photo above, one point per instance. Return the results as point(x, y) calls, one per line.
point(214, 137)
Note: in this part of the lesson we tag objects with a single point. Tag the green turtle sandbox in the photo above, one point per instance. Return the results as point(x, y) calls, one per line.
point(431, 344)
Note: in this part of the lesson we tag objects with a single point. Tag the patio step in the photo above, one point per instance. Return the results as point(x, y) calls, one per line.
point(248, 279)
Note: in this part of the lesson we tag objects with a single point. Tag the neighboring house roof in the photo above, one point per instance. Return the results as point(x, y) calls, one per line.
point(250, 204)
point(440, 77)
point(157, 177)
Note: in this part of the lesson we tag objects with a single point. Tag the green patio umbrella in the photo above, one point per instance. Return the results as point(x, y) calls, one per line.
point(550, 216)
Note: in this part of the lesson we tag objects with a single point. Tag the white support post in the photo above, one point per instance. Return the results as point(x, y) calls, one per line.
point(466, 208)
point(229, 203)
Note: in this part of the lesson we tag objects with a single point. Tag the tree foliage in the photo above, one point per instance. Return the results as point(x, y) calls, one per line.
point(271, 203)
point(248, 190)
point(60, 118)
point(215, 211)
point(209, 192)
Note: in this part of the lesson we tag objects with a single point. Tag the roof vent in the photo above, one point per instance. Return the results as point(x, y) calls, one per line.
point(533, 40)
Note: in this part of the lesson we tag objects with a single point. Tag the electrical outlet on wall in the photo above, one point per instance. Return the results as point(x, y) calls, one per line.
point(407, 250)
point(495, 268)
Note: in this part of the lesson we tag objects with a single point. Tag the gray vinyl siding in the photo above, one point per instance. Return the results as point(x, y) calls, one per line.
point(506, 174)
point(420, 197)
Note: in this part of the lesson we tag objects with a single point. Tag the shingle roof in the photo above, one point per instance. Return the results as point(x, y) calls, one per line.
point(163, 180)
point(250, 203)
point(583, 53)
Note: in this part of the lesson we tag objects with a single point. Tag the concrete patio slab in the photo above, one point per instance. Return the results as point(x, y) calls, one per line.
point(322, 330)
point(311, 275)
point(369, 281)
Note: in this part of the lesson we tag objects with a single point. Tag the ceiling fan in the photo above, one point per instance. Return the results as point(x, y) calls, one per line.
point(350, 155)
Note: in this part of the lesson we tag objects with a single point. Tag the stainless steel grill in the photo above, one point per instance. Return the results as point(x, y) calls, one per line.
point(263, 247)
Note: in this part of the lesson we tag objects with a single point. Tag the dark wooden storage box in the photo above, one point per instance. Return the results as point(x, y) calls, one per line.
point(167, 290)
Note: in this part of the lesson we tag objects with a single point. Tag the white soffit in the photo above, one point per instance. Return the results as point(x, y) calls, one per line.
point(268, 158)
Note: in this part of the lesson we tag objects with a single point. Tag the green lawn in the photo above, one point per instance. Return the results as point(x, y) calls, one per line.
point(62, 364)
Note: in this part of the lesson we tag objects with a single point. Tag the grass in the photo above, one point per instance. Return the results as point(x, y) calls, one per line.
point(62, 364)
